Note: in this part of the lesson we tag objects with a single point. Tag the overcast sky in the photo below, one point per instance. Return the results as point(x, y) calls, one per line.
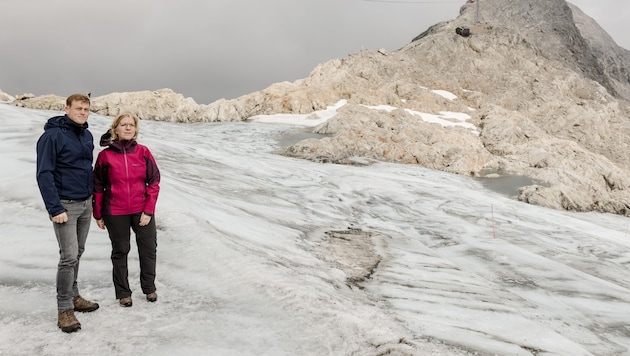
point(209, 50)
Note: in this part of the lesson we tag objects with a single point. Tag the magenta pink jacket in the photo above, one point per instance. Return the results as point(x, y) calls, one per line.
point(126, 180)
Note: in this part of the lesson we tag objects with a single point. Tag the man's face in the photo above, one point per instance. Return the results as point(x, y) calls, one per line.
point(78, 111)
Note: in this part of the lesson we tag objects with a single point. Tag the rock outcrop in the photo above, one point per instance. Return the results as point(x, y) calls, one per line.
point(6, 97)
point(545, 88)
point(162, 105)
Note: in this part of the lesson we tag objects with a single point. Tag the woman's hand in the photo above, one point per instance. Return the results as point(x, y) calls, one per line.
point(144, 219)
point(100, 223)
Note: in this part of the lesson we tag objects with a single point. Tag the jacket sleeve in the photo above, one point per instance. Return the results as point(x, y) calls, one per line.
point(152, 183)
point(100, 182)
point(46, 161)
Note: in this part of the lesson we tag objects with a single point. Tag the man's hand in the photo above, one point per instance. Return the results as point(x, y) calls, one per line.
point(100, 223)
point(61, 218)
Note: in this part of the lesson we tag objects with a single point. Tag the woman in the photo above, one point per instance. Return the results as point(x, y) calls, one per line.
point(126, 187)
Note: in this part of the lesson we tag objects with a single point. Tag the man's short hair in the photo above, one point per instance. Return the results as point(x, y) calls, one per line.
point(77, 97)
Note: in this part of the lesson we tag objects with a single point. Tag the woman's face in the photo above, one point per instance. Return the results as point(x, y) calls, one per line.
point(126, 129)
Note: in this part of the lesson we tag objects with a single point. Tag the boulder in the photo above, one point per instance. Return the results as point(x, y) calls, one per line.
point(394, 136)
point(162, 105)
point(44, 102)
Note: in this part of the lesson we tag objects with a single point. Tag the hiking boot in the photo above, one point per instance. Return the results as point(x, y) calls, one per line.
point(152, 297)
point(67, 322)
point(83, 305)
point(125, 302)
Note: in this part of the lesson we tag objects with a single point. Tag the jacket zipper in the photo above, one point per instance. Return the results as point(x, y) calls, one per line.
point(127, 180)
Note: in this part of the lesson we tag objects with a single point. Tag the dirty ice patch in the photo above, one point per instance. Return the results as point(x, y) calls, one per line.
point(446, 94)
point(310, 120)
point(459, 116)
point(444, 118)
point(387, 108)
point(447, 119)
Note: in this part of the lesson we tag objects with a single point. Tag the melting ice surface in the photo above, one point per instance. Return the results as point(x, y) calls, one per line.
point(243, 268)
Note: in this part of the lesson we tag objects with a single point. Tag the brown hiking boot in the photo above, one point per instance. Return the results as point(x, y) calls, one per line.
point(83, 305)
point(125, 302)
point(152, 297)
point(67, 322)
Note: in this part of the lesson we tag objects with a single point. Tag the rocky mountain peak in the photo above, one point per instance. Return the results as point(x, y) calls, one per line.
point(555, 30)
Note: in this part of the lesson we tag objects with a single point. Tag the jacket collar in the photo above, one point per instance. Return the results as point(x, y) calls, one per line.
point(118, 145)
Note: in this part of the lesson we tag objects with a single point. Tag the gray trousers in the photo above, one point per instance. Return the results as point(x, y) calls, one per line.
point(71, 237)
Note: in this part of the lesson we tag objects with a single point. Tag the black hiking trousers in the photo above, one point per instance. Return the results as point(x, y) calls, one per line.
point(119, 228)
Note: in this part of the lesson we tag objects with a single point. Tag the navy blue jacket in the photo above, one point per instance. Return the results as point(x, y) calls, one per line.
point(64, 163)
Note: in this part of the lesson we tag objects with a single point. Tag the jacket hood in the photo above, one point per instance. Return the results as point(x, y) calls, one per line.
point(106, 139)
point(64, 123)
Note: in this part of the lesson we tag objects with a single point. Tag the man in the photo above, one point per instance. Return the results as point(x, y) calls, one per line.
point(65, 179)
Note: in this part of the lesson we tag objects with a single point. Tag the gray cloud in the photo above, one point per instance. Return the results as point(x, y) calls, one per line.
point(206, 50)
